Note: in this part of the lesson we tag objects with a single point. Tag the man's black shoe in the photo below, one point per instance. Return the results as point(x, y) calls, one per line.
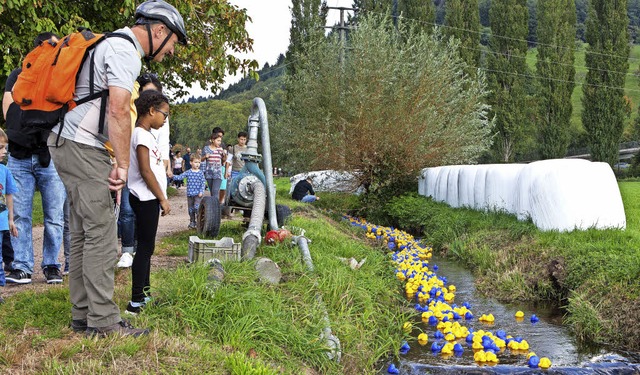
point(53, 275)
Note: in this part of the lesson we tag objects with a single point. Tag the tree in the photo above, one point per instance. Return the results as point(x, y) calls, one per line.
point(462, 20)
point(507, 70)
point(421, 13)
point(395, 107)
point(372, 6)
point(484, 6)
point(554, 66)
point(308, 18)
point(633, 10)
point(582, 8)
point(214, 28)
point(532, 37)
point(606, 58)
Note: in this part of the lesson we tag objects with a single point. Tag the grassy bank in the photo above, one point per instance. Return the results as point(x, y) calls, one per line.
point(594, 273)
point(239, 326)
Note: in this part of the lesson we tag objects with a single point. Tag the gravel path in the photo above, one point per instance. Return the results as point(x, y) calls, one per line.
point(176, 221)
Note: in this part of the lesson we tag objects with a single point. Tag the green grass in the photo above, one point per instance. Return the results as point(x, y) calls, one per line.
point(594, 273)
point(239, 326)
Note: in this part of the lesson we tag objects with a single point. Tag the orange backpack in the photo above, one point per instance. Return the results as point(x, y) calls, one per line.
point(45, 89)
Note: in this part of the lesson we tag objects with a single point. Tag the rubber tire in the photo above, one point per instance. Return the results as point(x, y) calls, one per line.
point(208, 217)
point(283, 214)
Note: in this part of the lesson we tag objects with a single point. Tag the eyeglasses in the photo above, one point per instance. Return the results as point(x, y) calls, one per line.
point(164, 113)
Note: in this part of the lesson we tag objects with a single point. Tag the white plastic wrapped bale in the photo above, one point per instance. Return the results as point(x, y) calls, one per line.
point(479, 184)
point(499, 187)
point(452, 186)
point(466, 178)
point(559, 194)
point(329, 181)
point(574, 194)
point(427, 182)
point(442, 184)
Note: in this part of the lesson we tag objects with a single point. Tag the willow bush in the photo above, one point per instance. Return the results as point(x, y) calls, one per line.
point(385, 104)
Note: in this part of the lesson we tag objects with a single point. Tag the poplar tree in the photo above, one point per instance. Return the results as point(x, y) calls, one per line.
point(308, 18)
point(372, 6)
point(462, 20)
point(506, 71)
point(606, 58)
point(556, 38)
point(420, 13)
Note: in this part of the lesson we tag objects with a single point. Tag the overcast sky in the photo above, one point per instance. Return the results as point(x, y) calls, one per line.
point(269, 28)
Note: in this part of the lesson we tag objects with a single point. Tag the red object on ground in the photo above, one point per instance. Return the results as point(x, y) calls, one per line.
point(276, 236)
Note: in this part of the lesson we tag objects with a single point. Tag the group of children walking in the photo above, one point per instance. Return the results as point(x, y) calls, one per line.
point(220, 165)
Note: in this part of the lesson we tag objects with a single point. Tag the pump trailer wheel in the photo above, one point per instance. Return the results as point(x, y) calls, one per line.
point(208, 218)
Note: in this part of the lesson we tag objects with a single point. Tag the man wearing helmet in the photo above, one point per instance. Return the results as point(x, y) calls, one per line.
point(81, 156)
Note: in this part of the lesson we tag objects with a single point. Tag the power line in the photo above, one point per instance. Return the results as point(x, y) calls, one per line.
point(554, 79)
point(551, 61)
point(502, 36)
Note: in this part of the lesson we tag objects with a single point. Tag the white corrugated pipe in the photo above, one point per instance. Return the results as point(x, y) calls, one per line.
point(332, 341)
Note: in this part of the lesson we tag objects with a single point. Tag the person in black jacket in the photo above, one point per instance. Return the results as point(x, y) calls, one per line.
point(302, 188)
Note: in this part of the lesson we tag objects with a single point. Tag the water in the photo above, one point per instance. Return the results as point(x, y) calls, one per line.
point(547, 338)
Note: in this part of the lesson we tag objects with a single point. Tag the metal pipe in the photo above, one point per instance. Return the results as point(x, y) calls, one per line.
point(332, 341)
point(251, 238)
point(259, 112)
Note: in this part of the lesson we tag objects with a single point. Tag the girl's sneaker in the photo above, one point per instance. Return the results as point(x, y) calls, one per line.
point(134, 310)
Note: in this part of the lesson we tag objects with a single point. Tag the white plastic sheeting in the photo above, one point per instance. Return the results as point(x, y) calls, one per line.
point(559, 194)
point(329, 181)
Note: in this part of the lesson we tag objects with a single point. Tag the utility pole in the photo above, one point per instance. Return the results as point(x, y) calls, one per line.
point(341, 28)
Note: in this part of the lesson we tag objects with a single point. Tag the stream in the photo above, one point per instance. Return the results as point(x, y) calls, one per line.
point(547, 338)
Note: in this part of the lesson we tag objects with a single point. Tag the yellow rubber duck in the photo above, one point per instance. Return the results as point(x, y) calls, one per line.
point(423, 339)
point(544, 362)
point(407, 327)
point(491, 357)
point(480, 356)
point(447, 348)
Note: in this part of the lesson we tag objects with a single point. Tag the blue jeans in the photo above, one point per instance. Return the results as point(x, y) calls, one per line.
point(308, 199)
point(28, 174)
point(127, 222)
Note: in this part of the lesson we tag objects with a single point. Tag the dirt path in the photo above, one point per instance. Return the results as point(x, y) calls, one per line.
point(176, 221)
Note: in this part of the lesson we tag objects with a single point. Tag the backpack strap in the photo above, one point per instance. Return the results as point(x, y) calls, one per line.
point(104, 94)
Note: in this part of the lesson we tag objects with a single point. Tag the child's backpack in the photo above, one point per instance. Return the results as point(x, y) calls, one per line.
point(46, 86)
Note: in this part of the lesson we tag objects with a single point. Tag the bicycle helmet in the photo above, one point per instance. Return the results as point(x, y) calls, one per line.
point(164, 12)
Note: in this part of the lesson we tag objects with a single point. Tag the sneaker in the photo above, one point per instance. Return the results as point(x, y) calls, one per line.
point(192, 226)
point(133, 310)
point(126, 260)
point(65, 272)
point(18, 277)
point(78, 325)
point(53, 275)
point(122, 328)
